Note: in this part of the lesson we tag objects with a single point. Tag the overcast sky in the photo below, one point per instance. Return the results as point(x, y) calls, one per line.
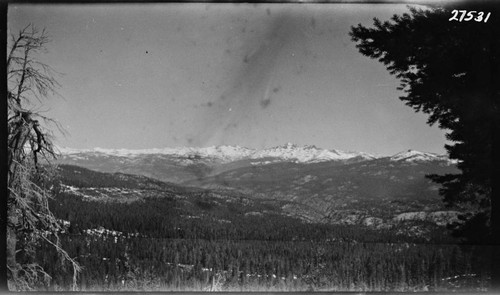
point(169, 75)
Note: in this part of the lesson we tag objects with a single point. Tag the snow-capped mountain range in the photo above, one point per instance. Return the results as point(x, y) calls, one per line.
point(416, 156)
point(226, 154)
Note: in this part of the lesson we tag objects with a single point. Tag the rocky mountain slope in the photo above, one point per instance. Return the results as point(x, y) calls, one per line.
point(312, 184)
point(374, 188)
point(183, 164)
point(83, 190)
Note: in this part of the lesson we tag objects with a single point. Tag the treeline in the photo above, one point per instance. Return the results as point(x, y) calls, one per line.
point(119, 263)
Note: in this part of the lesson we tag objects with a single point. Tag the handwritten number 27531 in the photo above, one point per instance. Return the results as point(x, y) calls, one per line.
point(469, 15)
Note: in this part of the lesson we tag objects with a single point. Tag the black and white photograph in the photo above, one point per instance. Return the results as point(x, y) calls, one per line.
point(271, 147)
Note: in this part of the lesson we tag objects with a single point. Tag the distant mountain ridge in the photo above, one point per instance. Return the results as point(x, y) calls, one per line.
point(314, 184)
point(226, 154)
point(416, 156)
point(180, 165)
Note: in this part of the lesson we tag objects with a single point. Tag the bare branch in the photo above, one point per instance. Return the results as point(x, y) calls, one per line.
point(29, 216)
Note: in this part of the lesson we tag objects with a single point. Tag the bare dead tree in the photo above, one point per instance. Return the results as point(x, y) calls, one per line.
point(30, 157)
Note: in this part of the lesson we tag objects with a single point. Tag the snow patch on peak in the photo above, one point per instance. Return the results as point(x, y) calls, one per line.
point(224, 152)
point(287, 146)
point(227, 153)
point(306, 154)
point(416, 156)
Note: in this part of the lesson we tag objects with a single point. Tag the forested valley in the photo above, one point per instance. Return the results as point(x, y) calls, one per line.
point(230, 219)
point(187, 240)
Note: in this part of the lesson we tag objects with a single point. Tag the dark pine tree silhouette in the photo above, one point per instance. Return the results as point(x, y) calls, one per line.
point(450, 70)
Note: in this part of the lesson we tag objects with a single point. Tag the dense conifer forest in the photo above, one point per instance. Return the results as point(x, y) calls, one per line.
point(138, 263)
point(186, 239)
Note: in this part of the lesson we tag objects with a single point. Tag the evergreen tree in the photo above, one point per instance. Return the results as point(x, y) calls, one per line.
point(449, 70)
